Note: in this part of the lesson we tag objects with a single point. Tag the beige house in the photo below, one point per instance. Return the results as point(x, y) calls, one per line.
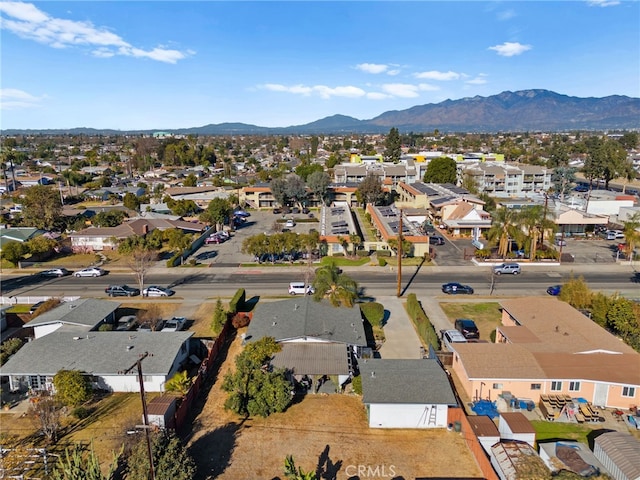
point(545, 346)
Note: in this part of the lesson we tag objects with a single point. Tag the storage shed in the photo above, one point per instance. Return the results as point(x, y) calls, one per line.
point(618, 452)
point(515, 426)
point(486, 431)
point(161, 411)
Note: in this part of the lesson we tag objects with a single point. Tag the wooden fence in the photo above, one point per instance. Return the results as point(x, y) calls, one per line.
point(458, 415)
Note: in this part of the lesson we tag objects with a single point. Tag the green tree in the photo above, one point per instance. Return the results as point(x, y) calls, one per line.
point(318, 183)
point(393, 146)
point(171, 459)
point(217, 213)
point(296, 473)
point(40, 245)
point(631, 232)
point(75, 464)
point(219, 318)
point(295, 189)
point(180, 383)
point(370, 190)
point(305, 169)
point(278, 187)
point(576, 293)
point(73, 388)
point(176, 239)
point(111, 218)
point(622, 317)
point(182, 207)
point(356, 241)
point(407, 246)
point(562, 179)
point(504, 228)
point(13, 252)
point(42, 207)
point(131, 201)
point(190, 181)
point(441, 170)
point(469, 184)
point(338, 288)
point(254, 387)
point(8, 348)
point(629, 140)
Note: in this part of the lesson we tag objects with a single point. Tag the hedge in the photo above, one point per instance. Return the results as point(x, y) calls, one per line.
point(363, 253)
point(173, 261)
point(421, 321)
point(383, 253)
point(382, 262)
point(237, 302)
point(373, 312)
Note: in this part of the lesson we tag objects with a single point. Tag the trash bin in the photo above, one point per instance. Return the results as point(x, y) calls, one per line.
point(457, 426)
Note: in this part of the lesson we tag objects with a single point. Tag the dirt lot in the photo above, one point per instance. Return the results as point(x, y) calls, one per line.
point(329, 432)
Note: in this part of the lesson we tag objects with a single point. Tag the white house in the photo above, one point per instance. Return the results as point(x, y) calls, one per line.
point(104, 356)
point(406, 393)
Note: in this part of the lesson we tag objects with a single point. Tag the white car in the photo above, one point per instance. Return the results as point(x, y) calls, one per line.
point(90, 272)
point(290, 223)
point(174, 325)
point(156, 291)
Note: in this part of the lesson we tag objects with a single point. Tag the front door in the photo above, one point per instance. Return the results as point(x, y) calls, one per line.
point(600, 394)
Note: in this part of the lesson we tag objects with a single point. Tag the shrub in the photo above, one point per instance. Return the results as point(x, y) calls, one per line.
point(383, 253)
point(363, 253)
point(81, 412)
point(240, 320)
point(237, 302)
point(173, 261)
point(356, 384)
point(423, 325)
point(382, 262)
point(338, 254)
point(483, 253)
point(373, 312)
point(8, 348)
point(492, 336)
point(105, 327)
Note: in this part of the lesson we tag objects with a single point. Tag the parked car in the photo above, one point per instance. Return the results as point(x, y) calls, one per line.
point(90, 272)
point(213, 239)
point(34, 307)
point(55, 272)
point(560, 242)
point(450, 338)
point(554, 290)
point(454, 288)
point(174, 325)
point(156, 291)
point(511, 268)
point(467, 328)
point(126, 323)
point(436, 240)
point(290, 223)
point(241, 213)
point(121, 291)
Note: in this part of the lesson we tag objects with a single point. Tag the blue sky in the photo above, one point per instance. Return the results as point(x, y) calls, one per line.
point(167, 64)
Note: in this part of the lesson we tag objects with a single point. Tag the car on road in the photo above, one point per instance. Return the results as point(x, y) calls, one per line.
point(509, 268)
point(121, 291)
point(467, 328)
point(436, 240)
point(290, 223)
point(174, 325)
point(554, 290)
point(454, 288)
point(156, 291)
point(55, 272)
point(299, 288)
point(90, 272)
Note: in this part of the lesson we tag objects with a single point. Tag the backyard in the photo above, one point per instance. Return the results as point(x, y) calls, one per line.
point(486, 315)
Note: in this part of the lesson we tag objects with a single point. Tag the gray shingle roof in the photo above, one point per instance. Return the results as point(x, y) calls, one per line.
point(84, 311)
point(97, 353)
point(405, 381)
point(303, 317)
point(313, 358)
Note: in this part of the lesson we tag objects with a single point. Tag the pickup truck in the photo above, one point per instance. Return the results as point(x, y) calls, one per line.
point(174, 325)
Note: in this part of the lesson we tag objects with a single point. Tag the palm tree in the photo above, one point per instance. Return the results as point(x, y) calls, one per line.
point(504, 227)
point(356, 241)
point(338, 288)
point(632, 234)
point(179, 383)
point(535, 221)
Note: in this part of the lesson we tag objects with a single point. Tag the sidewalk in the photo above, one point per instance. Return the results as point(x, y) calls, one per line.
point(401, 338)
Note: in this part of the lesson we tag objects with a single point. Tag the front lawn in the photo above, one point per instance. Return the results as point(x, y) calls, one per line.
point(344, 261)
point(487, 315)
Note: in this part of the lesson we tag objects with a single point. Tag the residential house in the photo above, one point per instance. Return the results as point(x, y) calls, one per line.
point(545, 346)
point(18, 234)
point(317, 339)
point(406, 393)
point(106, 357)
point(106, 238)
point(76, 317)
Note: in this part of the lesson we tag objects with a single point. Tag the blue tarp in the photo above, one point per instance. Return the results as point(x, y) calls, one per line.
point(485, 407)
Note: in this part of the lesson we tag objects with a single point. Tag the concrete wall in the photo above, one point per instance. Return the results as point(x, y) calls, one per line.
point(384, 415)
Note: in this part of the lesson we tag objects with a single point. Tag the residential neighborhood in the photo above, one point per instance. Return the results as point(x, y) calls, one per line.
point(274, 287)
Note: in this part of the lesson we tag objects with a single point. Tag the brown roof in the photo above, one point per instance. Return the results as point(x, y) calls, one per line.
point(189, 190)
point(612, 368)
point(160, 405)
point(517, 422)
point(483, 426)
point(498, 360)
point(460, 211)
point(138, 227)
point(518, 334)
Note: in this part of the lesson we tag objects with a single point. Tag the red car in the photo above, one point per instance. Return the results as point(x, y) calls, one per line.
point(213, 239)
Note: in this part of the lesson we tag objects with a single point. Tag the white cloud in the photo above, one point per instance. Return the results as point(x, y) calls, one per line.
point(377, 96)
point(372, 67)
point(28, 22)
point(436, 75)
point(426, 87)
point(393, 72)
point(506, 15)
point(479, 80)
point(510, 49)
point(12, 98)
point(320, 90)
point(603, 3)
point(404, 90)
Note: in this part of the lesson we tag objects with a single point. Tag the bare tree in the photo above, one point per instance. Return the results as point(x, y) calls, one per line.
point(151, 317)
point(141, 261)
point(46, 408)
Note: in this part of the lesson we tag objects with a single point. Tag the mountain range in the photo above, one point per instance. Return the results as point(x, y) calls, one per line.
point(521, 111)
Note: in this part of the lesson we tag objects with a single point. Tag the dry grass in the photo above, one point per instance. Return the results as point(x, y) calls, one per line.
point(326, 430)
point(486, 315)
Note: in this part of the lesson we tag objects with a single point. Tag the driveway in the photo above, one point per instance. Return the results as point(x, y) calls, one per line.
point(402, 341)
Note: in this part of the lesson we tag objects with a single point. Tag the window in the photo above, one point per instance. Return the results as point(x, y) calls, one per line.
point(536, 386)
point(497, 386)
point(574, 386)
point(628, 391)
point(556, 386)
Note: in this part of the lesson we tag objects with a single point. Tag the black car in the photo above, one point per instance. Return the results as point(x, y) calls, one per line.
point(467, 328)
point(436, 240)
point(55, 272)
point(121, 291)
point(455, 288)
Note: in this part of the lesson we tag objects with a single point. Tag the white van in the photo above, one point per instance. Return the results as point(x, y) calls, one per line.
point(451, 337)
point(299, 288)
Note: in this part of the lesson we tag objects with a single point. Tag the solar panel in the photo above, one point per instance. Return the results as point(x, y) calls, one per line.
point(339, 224)
point(340, 231)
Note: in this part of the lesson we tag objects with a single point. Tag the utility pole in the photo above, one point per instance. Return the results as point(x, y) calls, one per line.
point(544, 217)
point(399, 292)
point(145, 416)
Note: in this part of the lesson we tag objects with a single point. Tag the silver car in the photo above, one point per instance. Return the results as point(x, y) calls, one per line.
point(512, 268)
point(90, 272)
